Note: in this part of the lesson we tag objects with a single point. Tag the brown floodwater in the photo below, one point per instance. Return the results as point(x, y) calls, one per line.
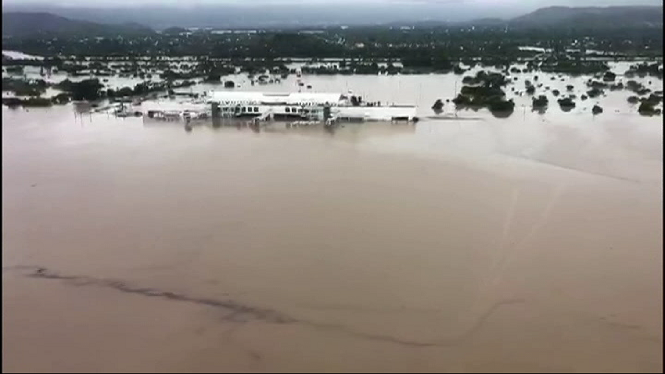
point(532, 243)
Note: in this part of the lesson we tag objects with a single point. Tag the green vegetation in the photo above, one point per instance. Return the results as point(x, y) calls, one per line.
point(16, 70)
point(501, 108)
point(22, 87)
point(596, 109)
point(645, 69)
point(566, 104)
point(648, 109)
point(13, 102)
point(486, 91)
point(596, 84)
point(92, 89)
point(609, 76)
point(637, 87)
point(653, 99)
point(633, 99)
point(88, 89)
point(61, 98)
point(357, 50)
point(616, 86)
point(355, 67)
point(424, 59)
point(438, 105)
point(435, 47)
point(487, 79)
point(540, 102)
point(594, 92)
point(573, 67)
point(457, 69)
point(634, 86)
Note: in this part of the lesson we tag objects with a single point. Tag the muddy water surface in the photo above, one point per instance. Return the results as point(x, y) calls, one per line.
point(527, 244)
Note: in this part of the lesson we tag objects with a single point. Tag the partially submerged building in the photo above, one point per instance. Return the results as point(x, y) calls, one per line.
point(304, 105)
point(328, 107)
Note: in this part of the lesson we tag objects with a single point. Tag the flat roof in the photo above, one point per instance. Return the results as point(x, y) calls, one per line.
point(276, 97)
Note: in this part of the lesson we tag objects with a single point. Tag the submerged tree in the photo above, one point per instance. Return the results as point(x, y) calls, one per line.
point(89, 90)
point(648, 109)
point(438, 106)
point(566, 104)
point(596, 109)
point(539, 102)
point(633, 99)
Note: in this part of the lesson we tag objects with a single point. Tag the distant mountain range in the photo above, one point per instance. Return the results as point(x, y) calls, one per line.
point(28, 24)
point(569, 17)
point(618, 16)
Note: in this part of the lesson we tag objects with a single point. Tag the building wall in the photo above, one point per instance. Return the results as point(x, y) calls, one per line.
point(374, 113)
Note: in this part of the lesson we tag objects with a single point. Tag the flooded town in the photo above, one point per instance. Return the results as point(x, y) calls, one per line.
point(339, 198)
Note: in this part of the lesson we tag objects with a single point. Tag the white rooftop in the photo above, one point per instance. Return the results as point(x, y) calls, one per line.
point(293, 98)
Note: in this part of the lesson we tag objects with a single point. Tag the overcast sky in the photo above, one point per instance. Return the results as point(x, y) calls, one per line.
point(188, 13)
point(527, 4)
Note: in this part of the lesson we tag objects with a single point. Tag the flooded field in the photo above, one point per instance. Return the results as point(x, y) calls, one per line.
point(421, 90)
point(532, 243)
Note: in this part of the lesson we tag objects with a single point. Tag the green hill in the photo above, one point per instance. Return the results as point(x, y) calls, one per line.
point(28, 24)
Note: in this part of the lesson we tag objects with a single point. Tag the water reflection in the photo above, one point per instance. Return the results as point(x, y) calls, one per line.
point(216, 122)
point(530, 135)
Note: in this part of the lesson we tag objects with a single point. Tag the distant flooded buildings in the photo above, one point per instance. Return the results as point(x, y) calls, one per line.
point(300, 105)
point(265, 106)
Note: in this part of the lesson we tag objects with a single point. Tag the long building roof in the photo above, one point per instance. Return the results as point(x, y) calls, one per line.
point(172, 106)
point(294, 98)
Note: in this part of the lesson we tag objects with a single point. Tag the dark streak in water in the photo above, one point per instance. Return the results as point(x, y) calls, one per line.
point(240, 313)
point(236, 309)
point(570, 168)
point(445, 342)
